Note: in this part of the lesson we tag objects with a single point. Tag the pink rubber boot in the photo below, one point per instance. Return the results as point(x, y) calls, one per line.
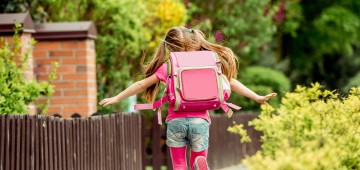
point(200, 163)
point(198, 160)
point(178, 158)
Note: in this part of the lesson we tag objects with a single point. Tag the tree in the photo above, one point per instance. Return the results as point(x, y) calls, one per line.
point(309, 41)
point(246, 26)
point(321, 42)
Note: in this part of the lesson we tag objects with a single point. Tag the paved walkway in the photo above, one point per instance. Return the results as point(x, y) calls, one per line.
point(235, 167)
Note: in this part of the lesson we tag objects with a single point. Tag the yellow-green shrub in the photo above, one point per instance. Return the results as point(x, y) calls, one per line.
point(312, 129)
point(16, 92)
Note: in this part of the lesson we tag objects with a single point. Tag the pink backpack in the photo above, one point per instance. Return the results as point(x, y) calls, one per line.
point(194, 83)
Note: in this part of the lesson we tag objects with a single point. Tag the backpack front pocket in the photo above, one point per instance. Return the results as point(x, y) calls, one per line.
point(199, 84)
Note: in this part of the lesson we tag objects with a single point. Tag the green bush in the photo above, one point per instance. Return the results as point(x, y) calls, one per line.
point(262, 81)
point(312, 129)
point(353, 82)
point(16, 92)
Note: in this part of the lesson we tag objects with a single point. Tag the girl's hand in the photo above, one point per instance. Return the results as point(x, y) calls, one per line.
point(264, 99)
point(108, 101)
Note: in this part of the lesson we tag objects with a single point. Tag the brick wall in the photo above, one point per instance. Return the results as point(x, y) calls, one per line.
point(75, 85)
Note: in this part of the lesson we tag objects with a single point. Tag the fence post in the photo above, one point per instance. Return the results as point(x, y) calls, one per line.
point(139, 142)
point(27, 144)
point(51, 140)
point(35, 141)
point(156, 148)
point(143, 143)
point(168, 159)
point(2, 140)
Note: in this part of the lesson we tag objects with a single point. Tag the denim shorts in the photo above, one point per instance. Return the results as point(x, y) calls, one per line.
point(188, 131)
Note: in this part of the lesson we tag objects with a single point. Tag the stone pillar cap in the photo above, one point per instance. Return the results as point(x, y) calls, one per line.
point(8, 20)
point(65, 30)
point(47, 31)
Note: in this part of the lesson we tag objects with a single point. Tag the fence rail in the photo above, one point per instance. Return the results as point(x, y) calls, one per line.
point(115, 141)
point(42, 142)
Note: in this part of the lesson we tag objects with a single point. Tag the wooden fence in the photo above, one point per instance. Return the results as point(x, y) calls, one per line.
point(225, 148)
point(115, 141)
point(48, 143)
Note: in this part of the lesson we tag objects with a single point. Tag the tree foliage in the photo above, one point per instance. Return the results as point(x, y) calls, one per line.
point(263, 81)
point(161, 16)
point(323, 45)
point(132, 34)
point(309, 41)
point(118, 48)
point(246, 26)
point(312, 129)
point(353, 82)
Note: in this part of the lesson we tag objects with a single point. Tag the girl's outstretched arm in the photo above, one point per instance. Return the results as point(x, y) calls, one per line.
point(238, 87)
point(133, 89)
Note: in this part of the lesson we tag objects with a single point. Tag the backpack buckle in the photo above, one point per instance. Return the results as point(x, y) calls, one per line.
point(218, 63)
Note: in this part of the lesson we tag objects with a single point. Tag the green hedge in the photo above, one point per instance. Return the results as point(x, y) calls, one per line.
point(261, 80)
point(353, 82)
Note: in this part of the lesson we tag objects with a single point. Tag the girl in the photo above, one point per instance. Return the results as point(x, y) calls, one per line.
point(186, 128)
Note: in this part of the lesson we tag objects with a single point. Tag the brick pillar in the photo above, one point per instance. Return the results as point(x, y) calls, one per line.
point(73, 46)
point(25, 40)
point(75, 86)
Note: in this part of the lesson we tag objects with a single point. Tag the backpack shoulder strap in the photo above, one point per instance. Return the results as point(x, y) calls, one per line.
point(154, 105)
point(168, 67)
point(160, 102)
point(225, 106)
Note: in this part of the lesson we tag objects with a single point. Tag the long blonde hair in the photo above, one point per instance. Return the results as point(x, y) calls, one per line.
point(184, 39)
